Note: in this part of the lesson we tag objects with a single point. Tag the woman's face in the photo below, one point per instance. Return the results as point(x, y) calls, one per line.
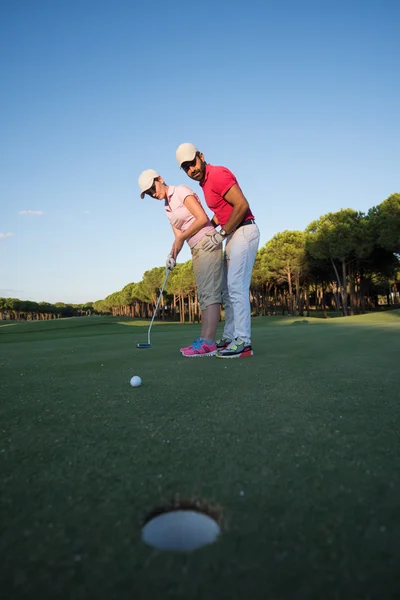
point(157, 190)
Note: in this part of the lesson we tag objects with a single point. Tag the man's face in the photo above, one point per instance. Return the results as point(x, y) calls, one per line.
point(195, 168)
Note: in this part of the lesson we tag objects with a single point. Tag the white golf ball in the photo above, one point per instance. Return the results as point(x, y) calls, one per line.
point(136, 381)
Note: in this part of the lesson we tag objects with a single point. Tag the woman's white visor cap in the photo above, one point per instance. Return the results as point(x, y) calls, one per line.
point(146, 179)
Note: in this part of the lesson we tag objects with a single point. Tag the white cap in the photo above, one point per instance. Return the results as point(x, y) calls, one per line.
point(146, 179)
point(185, 153)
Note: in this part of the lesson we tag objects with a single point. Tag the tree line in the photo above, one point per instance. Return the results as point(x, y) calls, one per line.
point(25, 310)
point(346, 261)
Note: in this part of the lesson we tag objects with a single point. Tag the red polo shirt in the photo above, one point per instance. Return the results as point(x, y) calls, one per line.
point(217, 182)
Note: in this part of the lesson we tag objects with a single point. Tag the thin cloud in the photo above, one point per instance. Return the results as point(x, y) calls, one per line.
point(34, 213)
point(3, 236)
point(10, 291)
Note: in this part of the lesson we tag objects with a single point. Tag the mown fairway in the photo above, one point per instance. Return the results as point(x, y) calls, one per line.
point(299, 445)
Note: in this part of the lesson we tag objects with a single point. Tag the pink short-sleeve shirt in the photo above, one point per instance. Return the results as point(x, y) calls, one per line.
point(180, 217)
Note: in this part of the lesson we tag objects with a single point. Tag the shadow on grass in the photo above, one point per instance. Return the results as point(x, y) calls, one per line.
point(21, 331)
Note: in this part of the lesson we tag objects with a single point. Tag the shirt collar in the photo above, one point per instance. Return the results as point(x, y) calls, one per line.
point(170, 193)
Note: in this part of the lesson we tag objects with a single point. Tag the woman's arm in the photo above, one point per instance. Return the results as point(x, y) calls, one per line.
point(200, 219)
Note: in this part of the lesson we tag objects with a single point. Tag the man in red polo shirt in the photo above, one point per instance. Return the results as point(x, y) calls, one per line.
point(238, 227)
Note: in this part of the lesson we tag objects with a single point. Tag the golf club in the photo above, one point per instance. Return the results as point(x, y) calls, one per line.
point(148, 345)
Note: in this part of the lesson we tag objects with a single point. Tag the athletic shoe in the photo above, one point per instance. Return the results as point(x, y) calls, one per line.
point(200, 348)
point(189, 347)
point(236, 349)
point(223, 343)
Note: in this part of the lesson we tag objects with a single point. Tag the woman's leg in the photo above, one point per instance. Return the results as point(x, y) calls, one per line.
point(209, 321)
point(207, 267)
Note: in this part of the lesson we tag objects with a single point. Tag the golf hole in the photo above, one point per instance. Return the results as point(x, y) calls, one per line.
point(182, 526)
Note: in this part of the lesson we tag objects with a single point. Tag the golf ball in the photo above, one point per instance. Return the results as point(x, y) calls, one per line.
point(136, 381)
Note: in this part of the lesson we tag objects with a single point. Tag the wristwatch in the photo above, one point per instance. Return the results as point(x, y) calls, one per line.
point(223, 232)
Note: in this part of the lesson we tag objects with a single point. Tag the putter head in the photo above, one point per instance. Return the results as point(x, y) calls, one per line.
point(143, 345)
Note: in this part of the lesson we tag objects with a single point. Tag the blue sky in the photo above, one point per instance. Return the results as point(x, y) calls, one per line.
point(300, 99)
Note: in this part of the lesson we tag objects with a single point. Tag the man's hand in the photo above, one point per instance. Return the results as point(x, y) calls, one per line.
point(213, 241)
point(170, 262)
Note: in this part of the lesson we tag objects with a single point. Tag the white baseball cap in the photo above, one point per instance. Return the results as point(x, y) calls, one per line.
point(146, 179)
point(185, 153)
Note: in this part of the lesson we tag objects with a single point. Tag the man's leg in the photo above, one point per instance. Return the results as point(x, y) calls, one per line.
point(229, 328)
point(241, 250)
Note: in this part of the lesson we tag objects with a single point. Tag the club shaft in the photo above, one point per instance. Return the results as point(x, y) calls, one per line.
point(158, 302)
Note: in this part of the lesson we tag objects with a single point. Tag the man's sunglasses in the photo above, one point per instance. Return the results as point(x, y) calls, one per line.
point(190, 163)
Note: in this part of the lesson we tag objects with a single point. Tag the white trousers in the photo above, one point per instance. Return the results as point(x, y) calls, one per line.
point(239, 256)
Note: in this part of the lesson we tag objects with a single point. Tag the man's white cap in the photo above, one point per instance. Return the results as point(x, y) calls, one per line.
point(146, 179)
point(185, 153)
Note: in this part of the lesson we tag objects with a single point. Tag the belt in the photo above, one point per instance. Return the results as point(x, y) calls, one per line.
point(247, 222)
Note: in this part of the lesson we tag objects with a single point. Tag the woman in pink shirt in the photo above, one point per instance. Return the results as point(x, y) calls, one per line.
point(190, 223)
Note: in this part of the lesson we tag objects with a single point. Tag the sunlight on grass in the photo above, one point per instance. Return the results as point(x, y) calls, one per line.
point(147, 323)
point(388, 318)
point(384, 319)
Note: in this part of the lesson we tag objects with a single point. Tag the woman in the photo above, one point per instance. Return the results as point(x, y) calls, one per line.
point(190, 223)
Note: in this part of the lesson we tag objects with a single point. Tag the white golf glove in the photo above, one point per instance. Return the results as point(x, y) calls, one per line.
point(170, 263)
point(213, 241)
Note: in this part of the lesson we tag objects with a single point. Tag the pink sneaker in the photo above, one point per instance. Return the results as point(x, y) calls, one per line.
point(189, 347)
point(200, 348)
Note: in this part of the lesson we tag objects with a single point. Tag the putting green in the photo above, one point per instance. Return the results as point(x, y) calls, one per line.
point(299, 446)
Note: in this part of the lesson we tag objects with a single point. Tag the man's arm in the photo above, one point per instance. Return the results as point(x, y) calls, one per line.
point(240, 205)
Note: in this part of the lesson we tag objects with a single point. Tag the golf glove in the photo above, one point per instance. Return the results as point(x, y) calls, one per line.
point(170, 263)
point(213, 241)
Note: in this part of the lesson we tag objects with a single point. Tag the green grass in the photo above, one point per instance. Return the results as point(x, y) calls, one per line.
point(299, 445)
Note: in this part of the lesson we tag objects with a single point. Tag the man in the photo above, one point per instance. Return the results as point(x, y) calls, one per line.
point(238, 227)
